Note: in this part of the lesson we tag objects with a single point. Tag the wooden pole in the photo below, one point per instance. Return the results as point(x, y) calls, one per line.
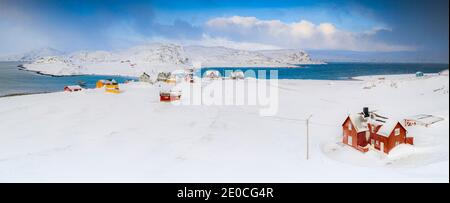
point(307, 137)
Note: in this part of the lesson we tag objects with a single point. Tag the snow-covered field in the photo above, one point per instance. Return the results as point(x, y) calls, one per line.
point(131, 137)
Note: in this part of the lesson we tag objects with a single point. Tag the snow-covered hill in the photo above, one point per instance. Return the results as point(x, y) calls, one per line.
point(33, 55)
point(290, 56)
point(226, 57)
point(163, 57)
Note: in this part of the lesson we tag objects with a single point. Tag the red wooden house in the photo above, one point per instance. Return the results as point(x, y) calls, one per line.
point(355, 132)
point(368, 129)
point(73, 88)
point(169, 96)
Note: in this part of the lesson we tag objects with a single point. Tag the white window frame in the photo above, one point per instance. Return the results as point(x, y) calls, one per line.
point(397, 131)
point(349, 126)
point(397, 143)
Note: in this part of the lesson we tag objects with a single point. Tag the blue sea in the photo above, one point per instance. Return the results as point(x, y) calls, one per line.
point(336, 71)
point(15, 81)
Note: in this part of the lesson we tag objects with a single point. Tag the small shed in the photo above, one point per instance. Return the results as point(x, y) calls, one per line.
point(212, 74)
point(102, 83)
point(172, 79)
point(189, 78)
point(112, 87)
point(169, 96)
point(169, 93)
point(444, 73)
point(237, 75)
point(163, 76)
point(419, 74)
point(72, 88)
point(144, 77)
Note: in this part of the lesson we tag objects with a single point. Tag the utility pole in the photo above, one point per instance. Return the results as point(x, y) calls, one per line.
point(307, 137)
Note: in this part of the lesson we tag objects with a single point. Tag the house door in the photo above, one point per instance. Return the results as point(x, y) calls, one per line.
point(350, 140)
point(382, 146)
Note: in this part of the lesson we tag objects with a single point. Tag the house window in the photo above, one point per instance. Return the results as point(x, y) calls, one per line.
point(397, 131)
point(397, 143)
point(349, 126)
point(373, 142)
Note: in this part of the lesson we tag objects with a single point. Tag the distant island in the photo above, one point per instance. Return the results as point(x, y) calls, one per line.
point(155, 57)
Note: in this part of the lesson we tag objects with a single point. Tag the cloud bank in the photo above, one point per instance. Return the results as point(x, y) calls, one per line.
point(303, 34)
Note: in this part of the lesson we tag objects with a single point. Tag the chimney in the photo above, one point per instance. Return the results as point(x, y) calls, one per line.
point(366, 112)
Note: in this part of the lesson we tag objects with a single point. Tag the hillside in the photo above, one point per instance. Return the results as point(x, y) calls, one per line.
point(163, 57)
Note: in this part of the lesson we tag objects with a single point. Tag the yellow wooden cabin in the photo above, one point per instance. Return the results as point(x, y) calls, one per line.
point(110, 86)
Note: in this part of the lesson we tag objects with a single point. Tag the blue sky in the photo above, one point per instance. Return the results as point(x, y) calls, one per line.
point(415, 26)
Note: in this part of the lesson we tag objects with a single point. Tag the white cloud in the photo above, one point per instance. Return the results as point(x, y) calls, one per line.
point(209, 41)
point(302, 34)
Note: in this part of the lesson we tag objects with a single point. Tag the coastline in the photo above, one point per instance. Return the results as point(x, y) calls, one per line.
point(359, 78)
point(23, 68)
point(23, 94)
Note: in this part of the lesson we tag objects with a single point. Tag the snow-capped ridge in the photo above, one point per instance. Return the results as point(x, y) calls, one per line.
point(156, 57)
point(33, 55)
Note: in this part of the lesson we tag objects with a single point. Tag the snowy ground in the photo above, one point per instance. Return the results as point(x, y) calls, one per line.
point(132, 137)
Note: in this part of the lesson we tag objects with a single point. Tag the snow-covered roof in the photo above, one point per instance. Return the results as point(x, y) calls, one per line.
point(74, 87)
point(237, 73)
point(108, 81)
point(212, 71)
point(361, 124)
point(387, 128)
point(358, 121)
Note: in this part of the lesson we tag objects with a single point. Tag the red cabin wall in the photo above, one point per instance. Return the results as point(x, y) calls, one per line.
point(362, 140)
point(389, 142)
point(373, 133)
point(393, 139)
point(347, 132)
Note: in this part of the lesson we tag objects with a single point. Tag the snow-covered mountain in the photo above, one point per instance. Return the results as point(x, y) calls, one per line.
point(156, 54)
point(221, 56)
point(290, 56)
point(226, 57)
point(33, 55)
point(163, 57)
